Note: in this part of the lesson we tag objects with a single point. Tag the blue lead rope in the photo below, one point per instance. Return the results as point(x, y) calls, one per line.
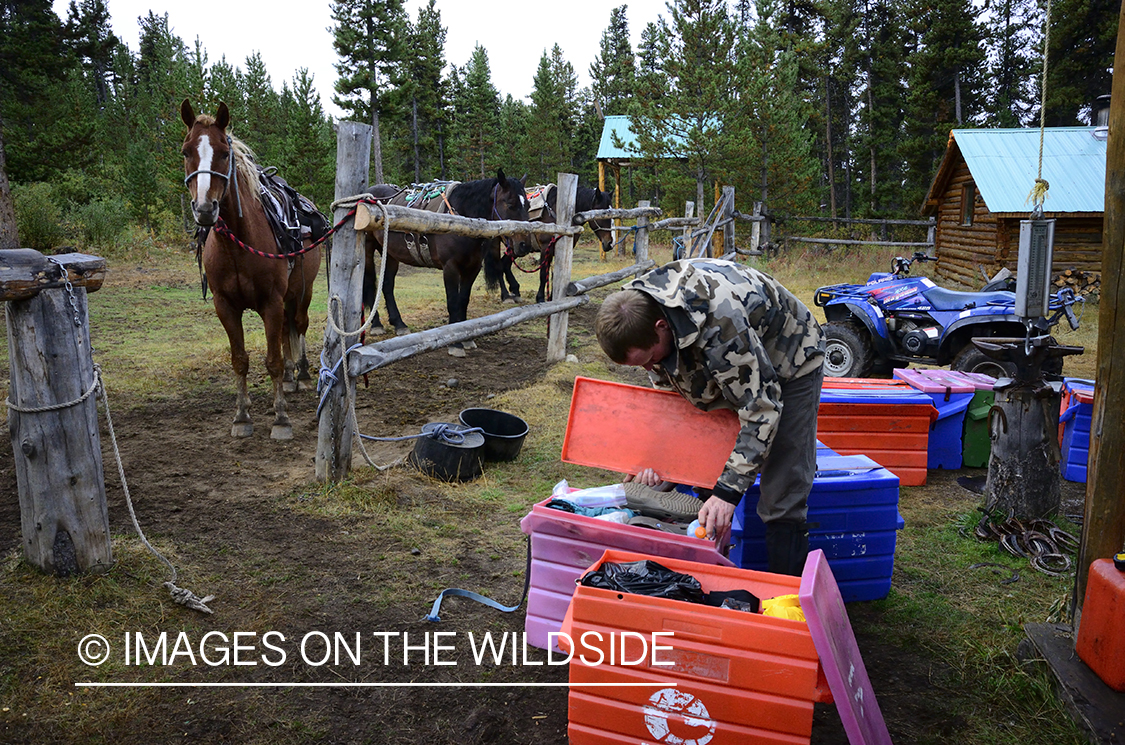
point(457, 593)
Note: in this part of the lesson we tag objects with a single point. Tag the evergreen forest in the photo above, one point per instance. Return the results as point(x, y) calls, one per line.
point(833, 107)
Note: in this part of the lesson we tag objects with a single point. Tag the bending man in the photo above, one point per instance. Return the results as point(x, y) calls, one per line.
point(723, 335)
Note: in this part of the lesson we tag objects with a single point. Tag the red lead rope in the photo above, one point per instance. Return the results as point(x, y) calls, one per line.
point(222, 229)
point(544, 259)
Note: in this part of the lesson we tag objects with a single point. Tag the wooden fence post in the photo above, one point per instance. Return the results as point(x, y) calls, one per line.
point(728, 219)
point(345, 281)
point(58, 454)
point(1103, 527)
point(640, 242)
point(689, 211)
point(560, 268)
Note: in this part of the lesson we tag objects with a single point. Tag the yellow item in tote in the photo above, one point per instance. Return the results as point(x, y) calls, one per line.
point(784, 606)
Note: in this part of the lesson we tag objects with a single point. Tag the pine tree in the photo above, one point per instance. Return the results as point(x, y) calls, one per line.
point(945, 87)
point(310, 154)
point(770, 156)
point(478, 111)
point(878, 56)
point(1080, 58)
point(517, 138)
point(259, 122)
point(1013, 40)
point(613, 71)
point(553, 117)
point(422, 94)
point(33, 61)
point(90, 36)
point(368, 37)
point(689, 121)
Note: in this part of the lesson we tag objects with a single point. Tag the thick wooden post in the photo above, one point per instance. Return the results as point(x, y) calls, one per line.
point(728, 219)
point(641, 241)
point(689, 211)
point(560, 268)
point(756, 229)
point(345, 281)
point(1023, 467)
point(1103, 529)
point(58, 454)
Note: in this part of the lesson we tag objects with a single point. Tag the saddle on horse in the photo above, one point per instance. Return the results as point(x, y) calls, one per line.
point(432, 197)
point(292, 216)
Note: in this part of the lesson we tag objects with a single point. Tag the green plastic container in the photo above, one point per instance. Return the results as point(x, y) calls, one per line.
point(977, 440)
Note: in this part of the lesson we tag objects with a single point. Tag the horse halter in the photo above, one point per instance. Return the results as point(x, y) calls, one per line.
point(231, 176)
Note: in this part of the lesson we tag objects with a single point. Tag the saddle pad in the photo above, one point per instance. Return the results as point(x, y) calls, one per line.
point(429, 197)
point(537, 200)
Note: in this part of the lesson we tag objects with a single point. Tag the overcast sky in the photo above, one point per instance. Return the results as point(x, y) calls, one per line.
point(514, 33)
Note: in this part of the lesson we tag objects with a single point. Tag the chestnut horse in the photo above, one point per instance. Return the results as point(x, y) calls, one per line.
point(459, 257)
point(586, 199)
point(222, 180)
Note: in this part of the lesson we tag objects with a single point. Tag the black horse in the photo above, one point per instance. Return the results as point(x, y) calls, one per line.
point(587, 199)
point(458, 256)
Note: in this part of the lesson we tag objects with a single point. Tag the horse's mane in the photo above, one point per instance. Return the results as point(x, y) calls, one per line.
point(474, 198)
point(247, 167)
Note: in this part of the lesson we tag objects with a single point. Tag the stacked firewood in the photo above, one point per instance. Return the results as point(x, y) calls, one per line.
point(1082, 282)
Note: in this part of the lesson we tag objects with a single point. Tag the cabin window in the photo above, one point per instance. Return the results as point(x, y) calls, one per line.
point(968, 202)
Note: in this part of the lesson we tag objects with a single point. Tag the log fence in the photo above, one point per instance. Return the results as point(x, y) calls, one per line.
point(342, 357)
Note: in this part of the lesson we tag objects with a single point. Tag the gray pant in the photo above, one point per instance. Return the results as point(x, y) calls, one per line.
point(790, 465)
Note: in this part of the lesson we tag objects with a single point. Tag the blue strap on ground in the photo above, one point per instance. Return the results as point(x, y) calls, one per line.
point(457, 593)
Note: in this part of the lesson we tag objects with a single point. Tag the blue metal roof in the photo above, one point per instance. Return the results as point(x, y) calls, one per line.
point(623, 127)
point(619, 124)
point(1004, 163)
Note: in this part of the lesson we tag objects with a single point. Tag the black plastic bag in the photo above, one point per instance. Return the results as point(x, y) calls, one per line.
point(645, 578)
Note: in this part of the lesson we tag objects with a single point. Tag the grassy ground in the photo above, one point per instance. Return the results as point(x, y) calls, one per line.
point(955, 629)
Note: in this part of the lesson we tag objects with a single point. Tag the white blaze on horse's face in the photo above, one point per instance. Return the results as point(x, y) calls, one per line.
point(203, 179)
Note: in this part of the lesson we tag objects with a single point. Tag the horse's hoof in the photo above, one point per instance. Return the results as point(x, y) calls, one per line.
point(241, 429)
point(282, 432)
point(510, 299)
point(456, 352)
point(290, 386)
point(376, 331)
point(304, 385)
point(402, 331)
point(470, 344)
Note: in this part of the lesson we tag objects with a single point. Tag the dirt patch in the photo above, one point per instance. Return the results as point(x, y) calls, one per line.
point(226, 507)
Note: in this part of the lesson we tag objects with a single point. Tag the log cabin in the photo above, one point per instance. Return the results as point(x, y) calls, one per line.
point(981, 189)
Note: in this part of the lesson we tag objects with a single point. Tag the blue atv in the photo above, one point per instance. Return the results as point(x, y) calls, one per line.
point(896, 319)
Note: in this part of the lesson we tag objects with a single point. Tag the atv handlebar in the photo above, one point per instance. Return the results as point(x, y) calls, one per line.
point(900, 265)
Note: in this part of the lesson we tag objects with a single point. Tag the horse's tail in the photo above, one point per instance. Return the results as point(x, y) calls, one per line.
point(493, 266)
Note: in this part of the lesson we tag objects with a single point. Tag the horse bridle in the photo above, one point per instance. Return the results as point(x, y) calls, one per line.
point(229, 178)
point(507, 240)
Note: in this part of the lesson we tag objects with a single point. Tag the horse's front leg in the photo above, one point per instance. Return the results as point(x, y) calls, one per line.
point(544, 275)
point(273, 318)
point(508, 278)
point(457, 291)
point(239, 362)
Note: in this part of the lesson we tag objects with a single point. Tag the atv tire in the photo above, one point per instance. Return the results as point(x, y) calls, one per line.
point(847, 351)
point(971, 359)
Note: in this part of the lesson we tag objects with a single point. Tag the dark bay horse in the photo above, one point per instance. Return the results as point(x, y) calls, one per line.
point(587, 199)
point(459, 257)
point(222, 179)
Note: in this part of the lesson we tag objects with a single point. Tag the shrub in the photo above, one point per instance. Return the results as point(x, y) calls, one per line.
point(101, 222)
point(38, 216)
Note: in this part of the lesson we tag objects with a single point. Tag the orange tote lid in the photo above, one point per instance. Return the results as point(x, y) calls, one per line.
point(626, 428)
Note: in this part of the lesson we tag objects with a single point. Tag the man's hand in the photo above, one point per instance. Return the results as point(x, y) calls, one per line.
point(647, 477)
point(716, 516)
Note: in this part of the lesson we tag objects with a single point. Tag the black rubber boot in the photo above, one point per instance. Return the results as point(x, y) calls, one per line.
point(787, 546)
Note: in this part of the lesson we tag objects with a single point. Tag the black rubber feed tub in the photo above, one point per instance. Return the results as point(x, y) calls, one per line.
point(446, 458)
point(504, 433)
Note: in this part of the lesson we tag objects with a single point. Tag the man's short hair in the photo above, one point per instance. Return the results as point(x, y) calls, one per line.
point(627, 320)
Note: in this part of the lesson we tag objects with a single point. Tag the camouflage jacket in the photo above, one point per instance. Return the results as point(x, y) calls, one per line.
point(739, 336)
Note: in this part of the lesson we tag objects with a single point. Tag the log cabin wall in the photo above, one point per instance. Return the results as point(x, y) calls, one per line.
point(992, 241)
point(960, 248)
